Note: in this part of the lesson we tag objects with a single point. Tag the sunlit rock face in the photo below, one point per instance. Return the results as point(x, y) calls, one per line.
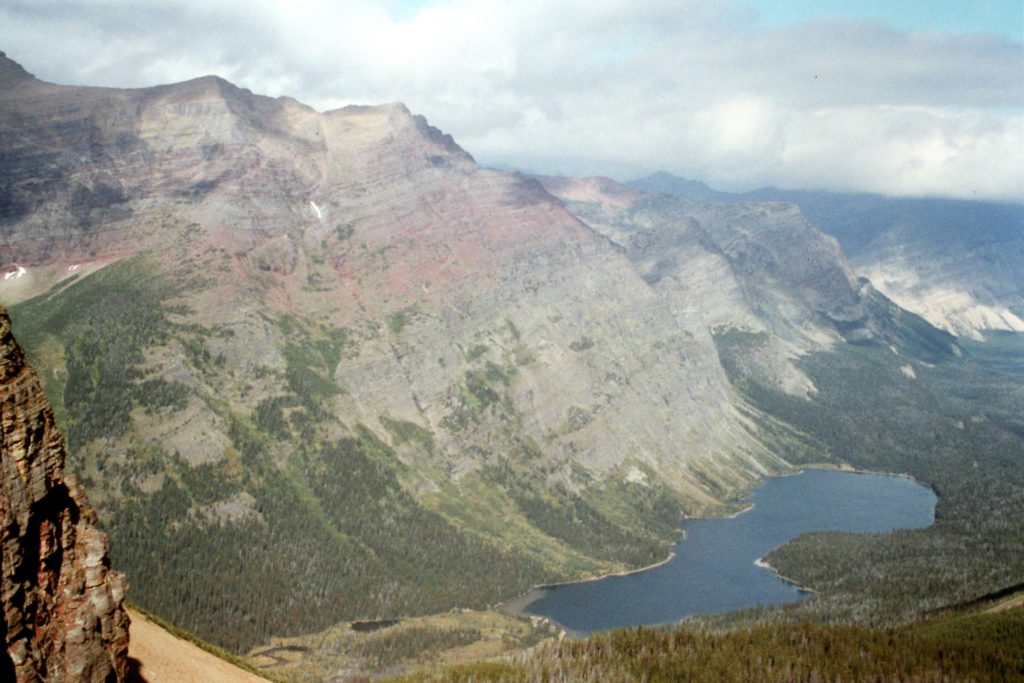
point(63, 613)
point(958, 264)
point(955, 291)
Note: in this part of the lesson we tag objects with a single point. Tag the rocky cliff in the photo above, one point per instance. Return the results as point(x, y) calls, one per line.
point(63, 613)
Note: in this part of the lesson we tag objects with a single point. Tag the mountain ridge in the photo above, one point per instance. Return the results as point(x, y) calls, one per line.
point(287, 293)
point(12, 73)
point(954, 262)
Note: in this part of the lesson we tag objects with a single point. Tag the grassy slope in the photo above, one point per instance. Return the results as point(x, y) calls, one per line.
point(161, 652)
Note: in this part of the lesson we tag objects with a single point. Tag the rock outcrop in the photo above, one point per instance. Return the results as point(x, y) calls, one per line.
point(63, 614)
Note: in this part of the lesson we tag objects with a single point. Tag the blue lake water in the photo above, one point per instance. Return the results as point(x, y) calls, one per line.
point(714, 570)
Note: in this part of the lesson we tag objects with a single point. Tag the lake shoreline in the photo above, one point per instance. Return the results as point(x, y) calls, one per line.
point(844, 467)
point(760, 562)
point(519, 606)
point(627, 572)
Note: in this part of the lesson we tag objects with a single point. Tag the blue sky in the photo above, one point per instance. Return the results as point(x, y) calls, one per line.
point(1003, 17)
point(902, 97)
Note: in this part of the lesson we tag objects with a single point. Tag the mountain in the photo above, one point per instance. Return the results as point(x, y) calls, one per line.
point(959, 264)
point(752, 266)
point(334, 343)
point(63, 614)
point(322, 367)
point(666, 183)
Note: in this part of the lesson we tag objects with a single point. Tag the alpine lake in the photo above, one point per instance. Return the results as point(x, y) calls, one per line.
point(716, 566)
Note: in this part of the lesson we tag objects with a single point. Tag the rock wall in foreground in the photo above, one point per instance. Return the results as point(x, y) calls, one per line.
point(64, 618)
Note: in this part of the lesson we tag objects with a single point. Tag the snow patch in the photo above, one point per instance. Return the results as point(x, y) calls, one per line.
point(15, 274)
point(908, 371)
point(894, 349)
point(636, 476)
point(316, 210)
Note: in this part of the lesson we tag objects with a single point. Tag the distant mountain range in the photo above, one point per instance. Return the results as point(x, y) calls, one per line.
point(318, 367)
point(959, 264)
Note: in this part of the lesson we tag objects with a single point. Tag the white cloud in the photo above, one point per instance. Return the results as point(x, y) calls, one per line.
point(618, 87)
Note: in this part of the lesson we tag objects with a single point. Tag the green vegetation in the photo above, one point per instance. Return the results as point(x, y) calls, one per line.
point(106, 322)
point(987, 647)
point(269, 416)
point(310, 367)
point(403, 431)
point(652, 507)
point(397, 320)
point(476, 351)
point(482, 391)
point(415, 548)
point(343, 540)
point(396, 645)
point(344, 231)
point(576, 418)
point(577, 522)
point(156, 394)
point(581, 344)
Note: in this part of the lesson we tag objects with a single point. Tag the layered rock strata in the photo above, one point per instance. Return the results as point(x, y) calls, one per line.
point(64, 618)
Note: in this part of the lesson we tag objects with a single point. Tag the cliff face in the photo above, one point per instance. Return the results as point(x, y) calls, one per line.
point(63, 613)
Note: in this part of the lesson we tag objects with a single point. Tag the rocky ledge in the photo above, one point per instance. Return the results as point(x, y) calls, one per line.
point(64, 618)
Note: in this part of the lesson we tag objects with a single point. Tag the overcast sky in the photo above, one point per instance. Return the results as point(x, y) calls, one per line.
point(894, 96)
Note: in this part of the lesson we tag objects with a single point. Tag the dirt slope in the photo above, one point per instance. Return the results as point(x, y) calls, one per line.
point(156, 656)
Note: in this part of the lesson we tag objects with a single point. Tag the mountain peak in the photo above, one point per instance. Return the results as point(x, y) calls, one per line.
point(666, 183)
point(12, 73)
